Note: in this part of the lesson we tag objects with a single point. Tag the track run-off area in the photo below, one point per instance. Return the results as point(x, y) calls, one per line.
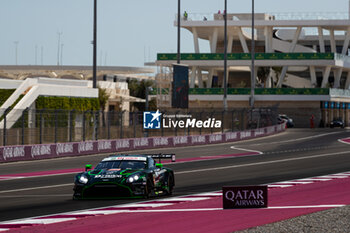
point(306, 170)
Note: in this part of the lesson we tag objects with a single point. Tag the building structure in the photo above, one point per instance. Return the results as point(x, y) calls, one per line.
point(72, 81)
point(298, 60)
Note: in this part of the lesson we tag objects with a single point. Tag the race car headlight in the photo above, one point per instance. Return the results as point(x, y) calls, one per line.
point(133, 178)
point(83, 179)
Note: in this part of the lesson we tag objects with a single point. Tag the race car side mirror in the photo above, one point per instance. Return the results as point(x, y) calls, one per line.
point(88, 167)
point(159, 165)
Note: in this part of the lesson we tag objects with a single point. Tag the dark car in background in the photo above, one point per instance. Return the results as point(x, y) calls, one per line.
point(284, 118)
point(338, 122)
point(121, 176)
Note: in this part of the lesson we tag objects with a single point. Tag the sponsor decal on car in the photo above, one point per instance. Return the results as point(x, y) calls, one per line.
point(108, 176)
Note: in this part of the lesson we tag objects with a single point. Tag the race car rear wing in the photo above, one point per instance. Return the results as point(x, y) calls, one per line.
point(163, 156)
point(155, 156)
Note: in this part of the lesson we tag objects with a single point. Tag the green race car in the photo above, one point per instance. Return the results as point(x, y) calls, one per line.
point(120, 176)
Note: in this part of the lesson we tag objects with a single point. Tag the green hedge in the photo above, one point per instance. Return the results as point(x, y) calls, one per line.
point(5, 94)
point(61, 106)
point(67, 103)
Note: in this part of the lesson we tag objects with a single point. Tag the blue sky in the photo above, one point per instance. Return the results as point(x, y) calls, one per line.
point(129, 32)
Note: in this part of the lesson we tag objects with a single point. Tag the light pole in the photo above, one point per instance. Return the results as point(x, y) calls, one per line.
point(148, 89)
point(42, 55)
point(61, 54)
point(58, 47)
point(36, 54)
point(252, 86)
point(178, 30)
point(225, 57)
point(95, 46)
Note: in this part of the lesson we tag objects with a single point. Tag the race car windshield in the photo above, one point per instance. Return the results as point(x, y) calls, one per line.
point(124, 164)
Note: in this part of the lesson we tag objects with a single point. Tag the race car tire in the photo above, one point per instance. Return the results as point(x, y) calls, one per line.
point(170, 185)
point(148, 189)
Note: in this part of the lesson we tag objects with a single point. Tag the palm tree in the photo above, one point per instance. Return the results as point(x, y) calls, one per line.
point(263, 73)
point(138, 89)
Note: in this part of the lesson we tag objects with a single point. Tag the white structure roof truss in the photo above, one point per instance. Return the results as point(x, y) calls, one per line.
point(213, 31)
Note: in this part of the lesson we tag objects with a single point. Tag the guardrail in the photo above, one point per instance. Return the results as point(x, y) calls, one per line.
point(47, 151)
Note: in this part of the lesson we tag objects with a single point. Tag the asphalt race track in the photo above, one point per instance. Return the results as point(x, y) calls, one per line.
point(294, 154)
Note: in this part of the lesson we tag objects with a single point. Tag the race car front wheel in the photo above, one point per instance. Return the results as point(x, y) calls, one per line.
point(148, 189)
point(169, 185)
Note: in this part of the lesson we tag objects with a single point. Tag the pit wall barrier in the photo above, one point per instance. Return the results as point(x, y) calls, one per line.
point(47, 151)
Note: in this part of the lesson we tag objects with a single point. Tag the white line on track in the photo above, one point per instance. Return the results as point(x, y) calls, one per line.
point(208, 194)
point(342, 141)
point(42, 221)
point(186, 199)
point(41, 187)
point(243, 149)
point(35, 176)
point(145, 205)
point(295, 182)
point(11, 177)
point(306, 206)
point(333, 176)
point(297, 139)
point(210, 169)
point(263, 163)
point(314, 179)
point(27, 196)
point(205, 209)
point(279, 185)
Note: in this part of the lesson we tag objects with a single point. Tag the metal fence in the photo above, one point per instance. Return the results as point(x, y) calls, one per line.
point(52, 126)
